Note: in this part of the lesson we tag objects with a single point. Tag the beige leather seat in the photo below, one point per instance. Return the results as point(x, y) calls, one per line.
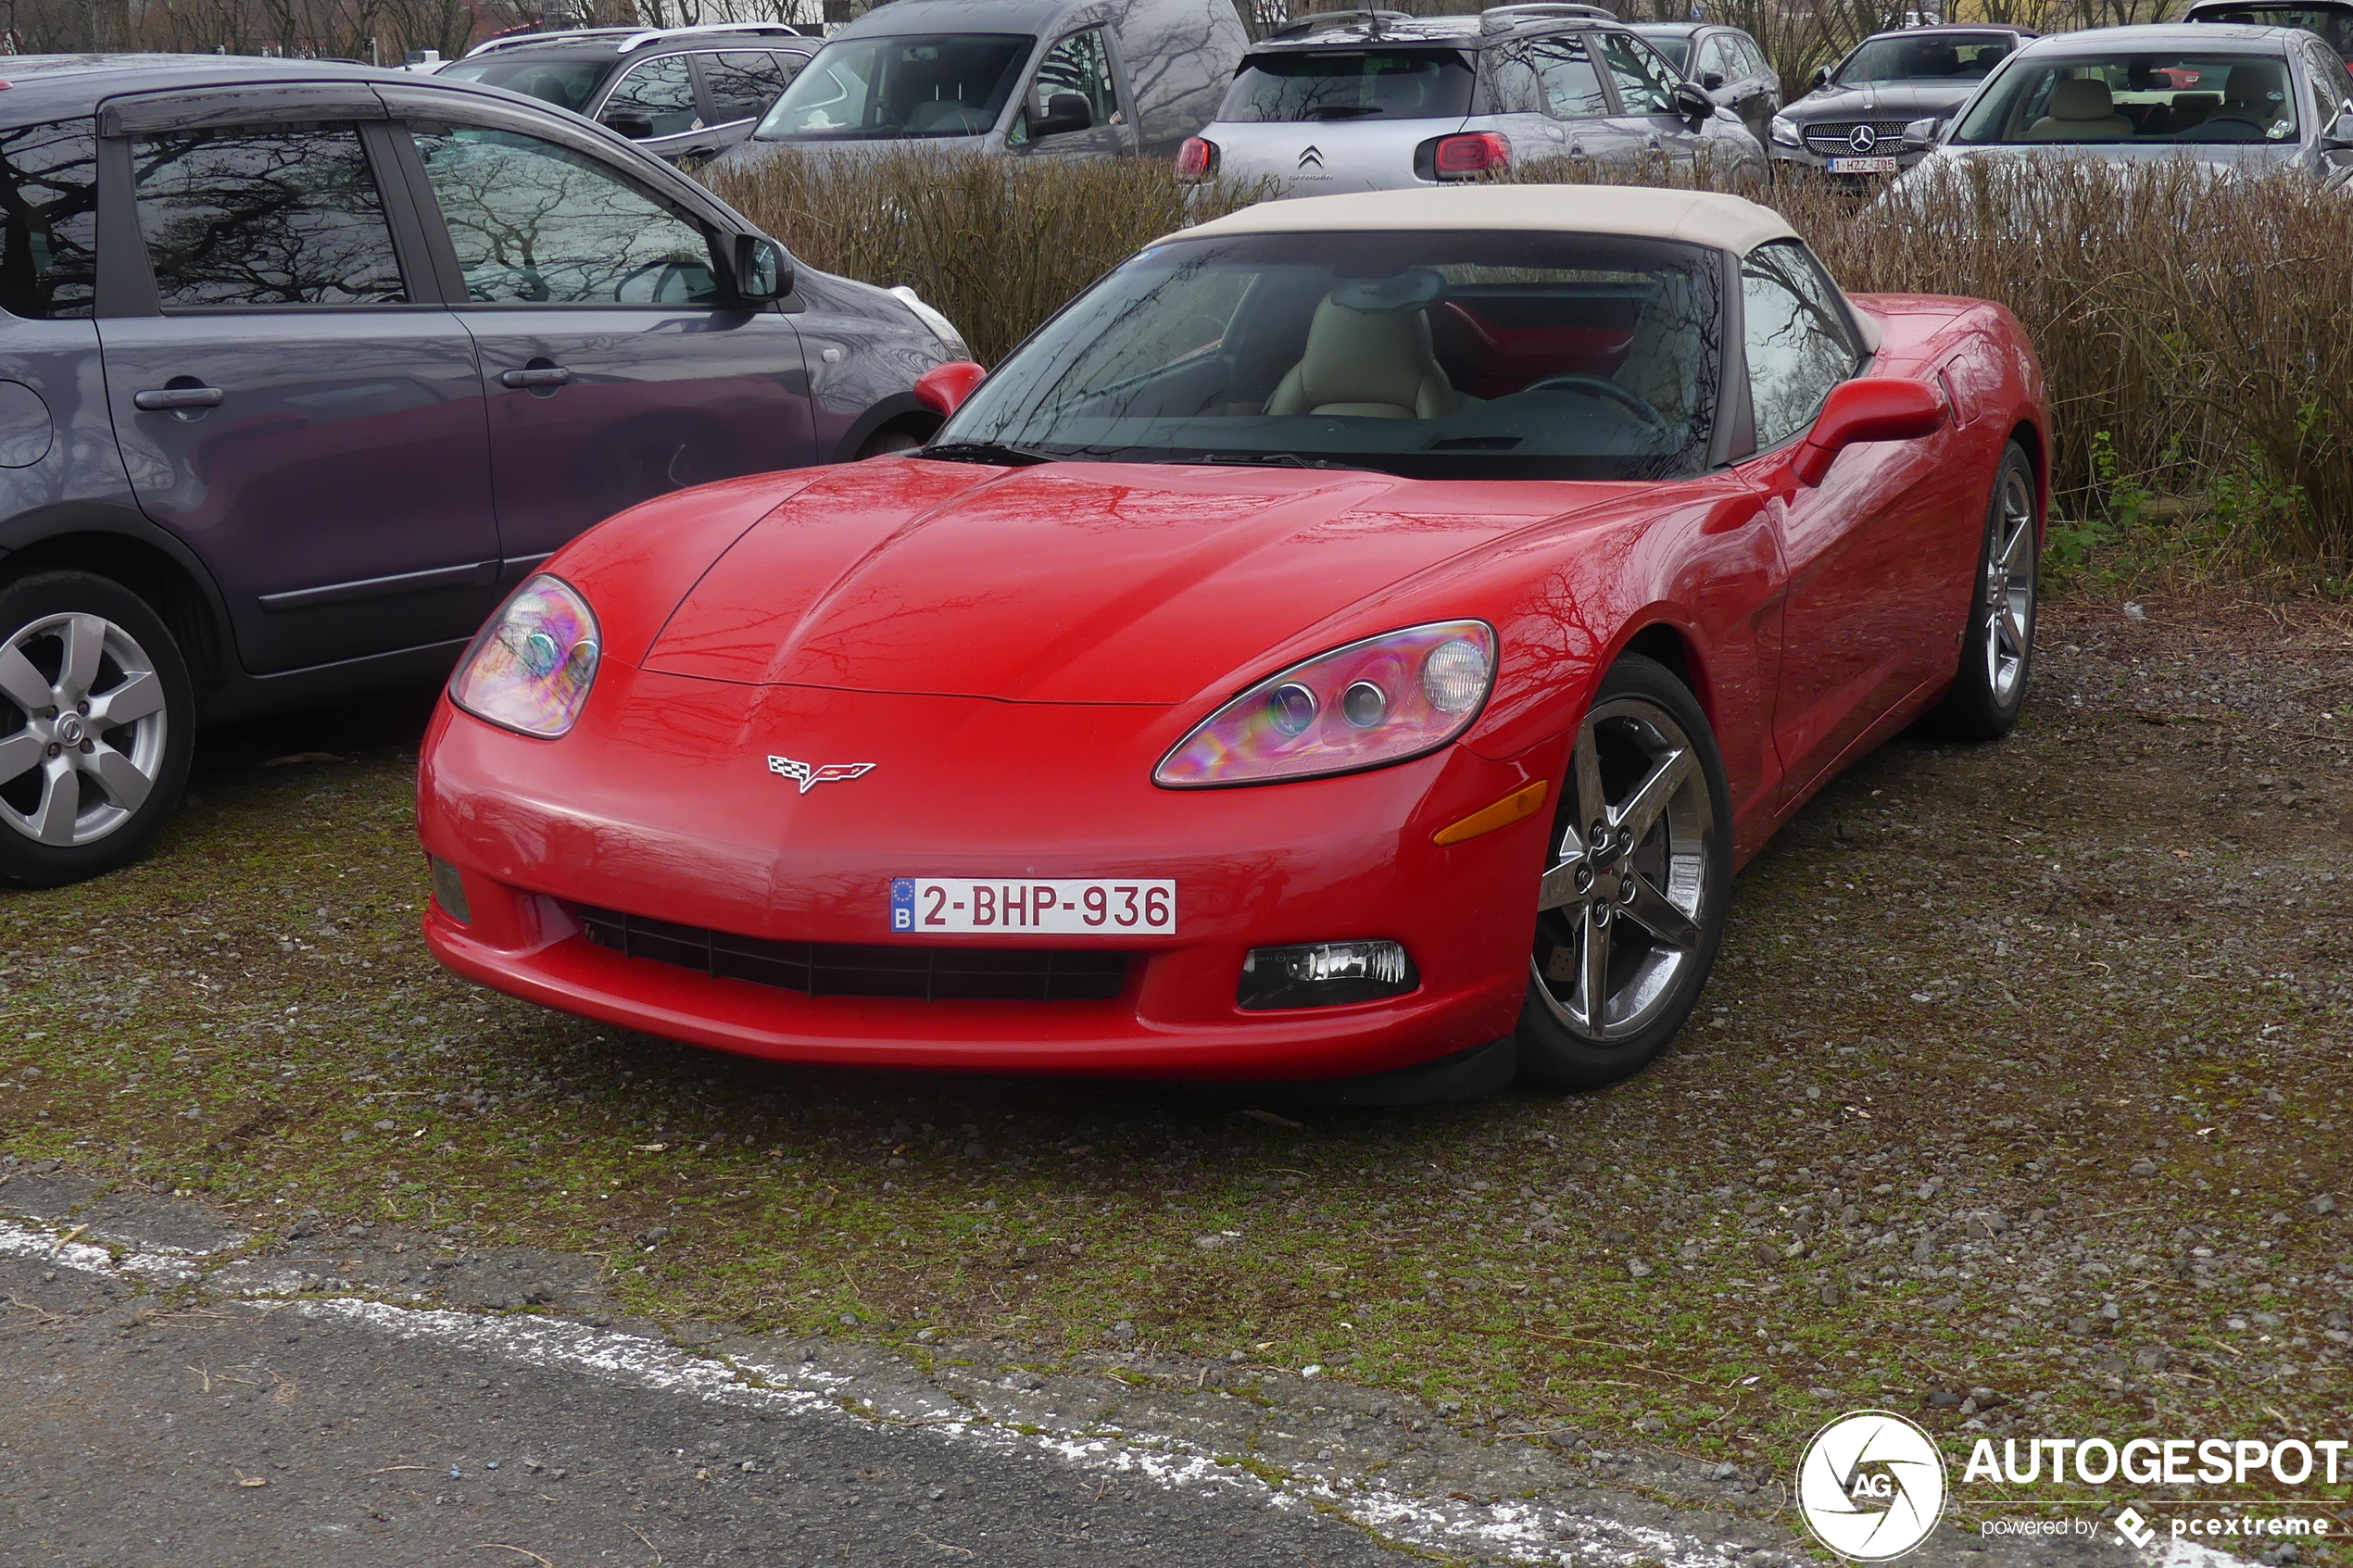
point(2082, 110)
point(2256, 95)
point(1375, 364)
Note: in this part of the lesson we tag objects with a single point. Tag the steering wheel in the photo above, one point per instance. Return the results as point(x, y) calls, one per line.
point(1608, 391)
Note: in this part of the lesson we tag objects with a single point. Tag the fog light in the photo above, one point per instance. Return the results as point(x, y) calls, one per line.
point(1325, 974)
point(449, 890)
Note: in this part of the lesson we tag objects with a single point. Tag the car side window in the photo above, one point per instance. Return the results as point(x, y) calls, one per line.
point(535, 224)
point(743, 82)
point(48, 219)
point(2329, 84)
point(1714, 56)
point(659, 94)
point(1754, 63)
point(1551, 76)
point(264, 215)
point(1639, 76)
point(1796, 333)
point(1079, 64)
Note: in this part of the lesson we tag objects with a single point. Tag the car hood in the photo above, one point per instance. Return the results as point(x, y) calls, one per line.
point(1069, 582)
point(1880, 100)
point(2224, 160)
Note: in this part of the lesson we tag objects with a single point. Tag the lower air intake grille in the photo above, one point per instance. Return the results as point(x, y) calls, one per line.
point(835, 968)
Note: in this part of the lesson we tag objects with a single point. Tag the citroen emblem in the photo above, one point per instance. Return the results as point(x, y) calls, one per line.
point(1312, 158)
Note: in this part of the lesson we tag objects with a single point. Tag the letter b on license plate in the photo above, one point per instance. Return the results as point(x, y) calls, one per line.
point(1039, 906)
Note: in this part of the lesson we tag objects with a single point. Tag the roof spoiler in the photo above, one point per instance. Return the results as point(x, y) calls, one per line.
point(628, 38)
point(1374, 22)
point(1500, 18)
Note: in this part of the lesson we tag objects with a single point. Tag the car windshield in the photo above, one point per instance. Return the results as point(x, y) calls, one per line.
point(1675, 46)
point(1943, 56)
point(565, 83)
point(1351, 85)
point(2184, 96)
point(2330, 23)
point(1501, 354)
point(876, 88)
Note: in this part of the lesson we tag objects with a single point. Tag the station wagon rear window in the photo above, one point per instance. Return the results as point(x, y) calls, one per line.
point(1351, 85)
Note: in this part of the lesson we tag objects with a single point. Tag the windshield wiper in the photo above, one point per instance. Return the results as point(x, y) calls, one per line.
point(1265, 460)
point(984, 452)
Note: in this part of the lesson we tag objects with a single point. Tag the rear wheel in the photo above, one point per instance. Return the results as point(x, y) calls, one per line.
point(1997, 647)
point(1630, 907)
point(96, 725)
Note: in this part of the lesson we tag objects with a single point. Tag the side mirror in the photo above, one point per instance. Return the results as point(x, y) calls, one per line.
point(636, 127)
point(1712, 81)
point(1065, 112)
point(2338, 137)
point(1868, 408)
point(763, 270)
point(943, 388)
point(1922, 134)
point(1690, 101)
point(1821, 78)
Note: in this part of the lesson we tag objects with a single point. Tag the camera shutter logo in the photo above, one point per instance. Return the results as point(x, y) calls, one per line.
point(1871, 1486)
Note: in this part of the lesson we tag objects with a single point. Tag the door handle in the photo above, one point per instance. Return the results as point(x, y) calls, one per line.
point(163, 400)
point(700, 152)
point(536, 375)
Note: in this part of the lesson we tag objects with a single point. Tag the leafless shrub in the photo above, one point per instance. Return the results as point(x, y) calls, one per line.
point(998, 243)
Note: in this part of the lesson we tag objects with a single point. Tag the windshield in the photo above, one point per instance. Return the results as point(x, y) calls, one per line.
point(870, 89)
point(1943, 56)
point(565, 83)
point(2182, 97)
point(2330, 23)
point(1463, 355)
point(1677, 48)
point(1366, 84)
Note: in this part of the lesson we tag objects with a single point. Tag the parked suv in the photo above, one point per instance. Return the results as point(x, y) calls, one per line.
point(687, 93)
point(1852, 122)
point(1728, 64)
point(1371, 100)
point(357, 351)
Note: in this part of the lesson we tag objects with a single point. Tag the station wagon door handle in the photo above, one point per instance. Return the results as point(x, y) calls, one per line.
point(166, 398)
point(536, 375)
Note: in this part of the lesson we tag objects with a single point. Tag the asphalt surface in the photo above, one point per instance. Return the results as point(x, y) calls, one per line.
point(135, 1431)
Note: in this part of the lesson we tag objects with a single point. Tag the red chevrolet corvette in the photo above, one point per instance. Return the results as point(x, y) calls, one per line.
point(1350, 648)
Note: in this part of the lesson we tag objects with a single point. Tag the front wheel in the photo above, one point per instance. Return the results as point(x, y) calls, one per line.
point(1638, 875)
point(96, 726)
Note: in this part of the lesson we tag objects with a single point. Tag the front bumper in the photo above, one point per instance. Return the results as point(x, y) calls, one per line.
point(659, 804)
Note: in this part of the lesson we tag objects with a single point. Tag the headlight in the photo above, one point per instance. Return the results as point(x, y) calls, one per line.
point(530, 667)
point(1383, 700)
point(941, 328)
point(1785, 131)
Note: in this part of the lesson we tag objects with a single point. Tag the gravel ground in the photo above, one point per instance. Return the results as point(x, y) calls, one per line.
point(2018, 1104)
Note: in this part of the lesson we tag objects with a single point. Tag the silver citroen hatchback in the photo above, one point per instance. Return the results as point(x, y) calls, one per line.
point(1373, 100)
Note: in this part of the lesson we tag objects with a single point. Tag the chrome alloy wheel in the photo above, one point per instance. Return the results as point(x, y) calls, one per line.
point(1617, 911)
point(2009, 602)
point(82, 728)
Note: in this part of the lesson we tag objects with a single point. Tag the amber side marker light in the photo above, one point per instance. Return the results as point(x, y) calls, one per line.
point(1503, 814)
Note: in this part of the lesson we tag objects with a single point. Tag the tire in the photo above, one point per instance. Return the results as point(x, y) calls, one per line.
point(1639, 871)
point(97, 721)
point(1998, 645)
point(891, 438)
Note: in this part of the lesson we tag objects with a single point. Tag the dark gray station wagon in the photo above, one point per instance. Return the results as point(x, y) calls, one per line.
point(302, 366)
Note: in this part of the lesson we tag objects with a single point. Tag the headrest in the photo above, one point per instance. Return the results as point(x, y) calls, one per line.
point(1417, 288)
point(2082, 97)
point(2253, 86)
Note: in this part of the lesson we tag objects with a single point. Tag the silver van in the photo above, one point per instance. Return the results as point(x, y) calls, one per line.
point(1371, 100)
point(1061, 78)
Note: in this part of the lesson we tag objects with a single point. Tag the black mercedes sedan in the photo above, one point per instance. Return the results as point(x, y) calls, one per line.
point(1853, 121)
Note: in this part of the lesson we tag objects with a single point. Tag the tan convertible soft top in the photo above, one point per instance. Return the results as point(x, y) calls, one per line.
point(1732, 223)
point(1694, 217)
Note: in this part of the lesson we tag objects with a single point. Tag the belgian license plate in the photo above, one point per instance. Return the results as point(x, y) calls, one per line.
point(1065, 908)
point(1862, 166)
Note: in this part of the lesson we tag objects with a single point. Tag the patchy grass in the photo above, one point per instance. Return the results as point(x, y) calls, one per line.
point(1965, 996)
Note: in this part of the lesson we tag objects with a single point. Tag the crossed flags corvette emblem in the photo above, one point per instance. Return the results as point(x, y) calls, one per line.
point(810, 777)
